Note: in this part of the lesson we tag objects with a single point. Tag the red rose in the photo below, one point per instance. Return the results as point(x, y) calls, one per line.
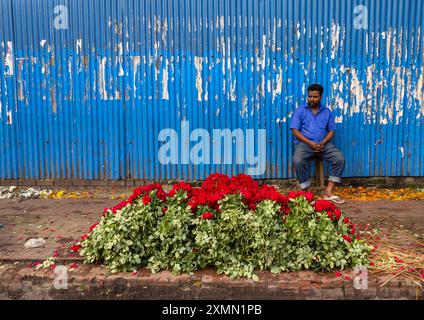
point(93, 227)
point(75, 247)
point(321, 205)
point(165, 210)
point(147, 199)
point(338, 214)
point(309, 196)
point(181, 186)
point(208, 215)
point(347, 238)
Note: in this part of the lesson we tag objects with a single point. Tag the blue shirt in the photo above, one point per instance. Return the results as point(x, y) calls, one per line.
point(314, 127)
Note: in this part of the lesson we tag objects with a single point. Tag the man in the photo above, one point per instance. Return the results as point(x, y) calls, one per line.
point(313, 128)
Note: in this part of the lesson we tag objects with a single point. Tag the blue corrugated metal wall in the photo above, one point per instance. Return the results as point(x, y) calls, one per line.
point(87, 96)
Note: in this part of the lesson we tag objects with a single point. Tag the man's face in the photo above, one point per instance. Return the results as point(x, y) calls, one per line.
point(314, 98)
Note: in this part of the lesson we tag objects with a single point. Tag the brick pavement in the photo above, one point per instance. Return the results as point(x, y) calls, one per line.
point(62, 222)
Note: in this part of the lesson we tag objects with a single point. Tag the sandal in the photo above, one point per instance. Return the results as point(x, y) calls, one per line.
point(335, 199)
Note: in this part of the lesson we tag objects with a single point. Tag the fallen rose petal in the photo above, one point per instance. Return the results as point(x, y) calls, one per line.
point(338, 274)
point(73, 266)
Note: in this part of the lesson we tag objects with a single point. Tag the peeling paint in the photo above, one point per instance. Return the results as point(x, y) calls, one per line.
point(53, 99)
point(339, 119)
point(9, 117)
point(79, 46)
point(357, 92)
point(419, 94)
point(232, 94)
point(9, 59)
point(278, 87)
point(198, 61)
point(244, 106)
point(21, 81)
point(102, 79)
point(165, 93)
point(335, 38)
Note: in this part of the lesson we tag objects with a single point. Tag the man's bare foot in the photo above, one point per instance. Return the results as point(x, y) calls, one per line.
point(327, 194)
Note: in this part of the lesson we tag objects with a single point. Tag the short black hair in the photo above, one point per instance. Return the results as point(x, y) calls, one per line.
point(316, 87)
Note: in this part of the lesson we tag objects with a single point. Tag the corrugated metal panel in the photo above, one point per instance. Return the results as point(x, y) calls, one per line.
point(89, 98)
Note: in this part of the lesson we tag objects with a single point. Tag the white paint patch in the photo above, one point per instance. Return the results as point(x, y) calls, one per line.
point(388, 44)
point(357, 91)
point(164, 30)
point(419, 93)
point(402, 152)
point(102, 79)
point(298, 31)
point(79, 46)
point(244, 106)
point(199, 81)
point(9, 59)
point(278, 87)
point(165, 93)
point(42, 43)
point(233, 96)
point(136, 63)
point(223, 55)
point(9, 117)
point(400, 91)
point(335, 38)
point(120, 48)
point(339, 119)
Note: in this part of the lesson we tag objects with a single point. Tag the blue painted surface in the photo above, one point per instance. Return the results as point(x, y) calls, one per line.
point(90, 101)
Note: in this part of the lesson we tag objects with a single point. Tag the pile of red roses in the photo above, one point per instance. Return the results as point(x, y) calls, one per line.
point(335, 214)
point(203, 201)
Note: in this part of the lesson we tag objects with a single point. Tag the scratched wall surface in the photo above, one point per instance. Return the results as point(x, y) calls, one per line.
point(88, 100)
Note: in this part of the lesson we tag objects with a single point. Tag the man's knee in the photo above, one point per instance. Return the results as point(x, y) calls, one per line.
point(339, 159)
point(299, 161)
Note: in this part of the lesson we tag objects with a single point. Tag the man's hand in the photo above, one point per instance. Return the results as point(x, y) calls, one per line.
point(315, 146)
point(321, 146)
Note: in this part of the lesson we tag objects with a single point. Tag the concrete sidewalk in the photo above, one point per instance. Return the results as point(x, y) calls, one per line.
point(62, 222)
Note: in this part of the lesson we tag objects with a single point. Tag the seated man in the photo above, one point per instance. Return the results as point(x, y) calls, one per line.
point(313, 128)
